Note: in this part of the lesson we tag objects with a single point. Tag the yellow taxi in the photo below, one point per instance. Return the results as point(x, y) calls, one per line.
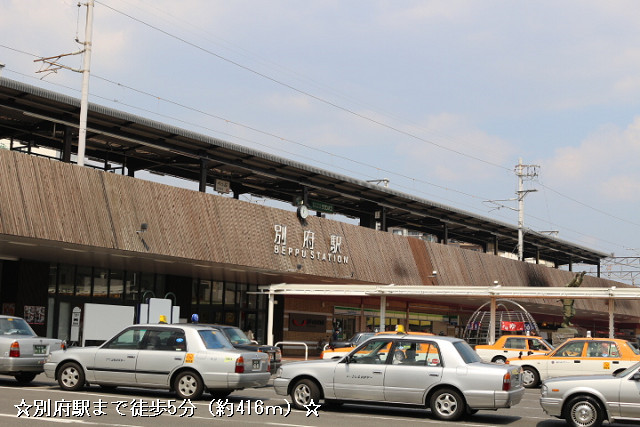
point(508, 346)
point(578, 356)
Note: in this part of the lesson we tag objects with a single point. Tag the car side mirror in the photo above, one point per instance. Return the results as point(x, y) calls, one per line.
point(636, 376)
point(520, 355)
point(529, 353)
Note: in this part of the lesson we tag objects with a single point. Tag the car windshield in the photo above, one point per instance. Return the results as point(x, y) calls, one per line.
point(466, 352)
point(15, 326)
point(236, 336)
point(214, 339)
point(361, 337)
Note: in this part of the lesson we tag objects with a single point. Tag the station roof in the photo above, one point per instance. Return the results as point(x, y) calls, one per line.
point(39, 117)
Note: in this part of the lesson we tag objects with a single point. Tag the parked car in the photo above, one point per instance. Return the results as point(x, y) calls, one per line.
point(240, 341)
point(22, 351)
point(441, 373)
point(508, 346)
point(586, 401)
point(578, 356)
point(184, 358)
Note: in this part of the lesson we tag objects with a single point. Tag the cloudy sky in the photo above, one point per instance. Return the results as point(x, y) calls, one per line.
point(440, 97)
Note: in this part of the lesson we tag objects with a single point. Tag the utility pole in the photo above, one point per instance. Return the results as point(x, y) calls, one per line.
point(84, 101)
point(53, 66)
point(523, 172)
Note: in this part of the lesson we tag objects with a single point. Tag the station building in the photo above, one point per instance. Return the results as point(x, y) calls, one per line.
point(71, 235)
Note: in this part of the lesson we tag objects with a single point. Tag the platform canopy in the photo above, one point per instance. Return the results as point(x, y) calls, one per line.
point(451, 292)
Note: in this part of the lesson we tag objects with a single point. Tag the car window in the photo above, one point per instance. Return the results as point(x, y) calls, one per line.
point(15, 326)
point(538, 344)
point(373, 352)
point(570, 349)
point(166, 340)
point(127, 340)
point(413, 353)
point(518, 343)
point(214, 339)
point(466, 352)
point(634, 346)
point(236, 336)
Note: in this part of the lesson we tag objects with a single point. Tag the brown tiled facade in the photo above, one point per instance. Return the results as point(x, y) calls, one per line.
point(53, 212)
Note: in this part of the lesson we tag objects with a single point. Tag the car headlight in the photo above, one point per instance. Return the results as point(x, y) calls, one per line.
point(544, 390)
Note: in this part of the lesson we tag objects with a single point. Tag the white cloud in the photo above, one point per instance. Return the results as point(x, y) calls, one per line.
point(606, 161)
point(453, 147)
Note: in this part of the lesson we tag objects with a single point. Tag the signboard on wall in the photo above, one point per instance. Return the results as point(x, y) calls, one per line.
point(301, 322)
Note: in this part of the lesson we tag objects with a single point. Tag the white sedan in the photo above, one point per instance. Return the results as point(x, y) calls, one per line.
point(441, 373)
point(185, 358)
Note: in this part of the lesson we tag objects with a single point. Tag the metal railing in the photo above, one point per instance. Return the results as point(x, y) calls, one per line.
point(296, 343)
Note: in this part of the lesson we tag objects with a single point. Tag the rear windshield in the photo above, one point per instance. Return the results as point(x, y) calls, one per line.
point(236, 336)
point(15, 326)
point(214, 339)
point(466, 352)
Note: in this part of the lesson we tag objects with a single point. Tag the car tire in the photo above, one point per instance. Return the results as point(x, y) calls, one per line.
point(303, 393)
point(584, 411)
point(530, 377)
point(447, 404)
point(71, 377)
point(188, 385)
point(220, 393)
point(25, 377)
point(499, 359)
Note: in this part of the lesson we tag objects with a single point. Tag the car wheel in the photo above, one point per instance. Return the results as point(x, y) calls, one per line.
point(220, 393)
point(25, 377)
point(303, 393)
point(584, 411)
point(530, 377)
point(188, 385)
point(71, 377)
point(447, 404)
point(499, 359)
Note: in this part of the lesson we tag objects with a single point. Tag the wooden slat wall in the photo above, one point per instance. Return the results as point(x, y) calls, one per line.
point(51, 200)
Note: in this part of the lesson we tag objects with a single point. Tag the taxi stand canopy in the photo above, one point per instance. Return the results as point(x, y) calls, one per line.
point(491, 292)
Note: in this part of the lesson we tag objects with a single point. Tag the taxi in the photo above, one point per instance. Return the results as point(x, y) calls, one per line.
point(578, 356)
point(186, 358)
point(508, 346)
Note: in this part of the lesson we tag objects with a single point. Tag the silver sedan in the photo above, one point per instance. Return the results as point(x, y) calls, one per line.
point(586, 401)
point(22, 351)
point(442, 373)
point(185, 358)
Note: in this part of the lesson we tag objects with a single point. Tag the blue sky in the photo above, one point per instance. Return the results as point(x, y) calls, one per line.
point(442, 98)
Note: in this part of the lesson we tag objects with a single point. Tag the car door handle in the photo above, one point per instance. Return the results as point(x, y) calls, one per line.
point(131, 357)
point(615, 362)
point(377, 372)
point(434, 375)
point(576, 361)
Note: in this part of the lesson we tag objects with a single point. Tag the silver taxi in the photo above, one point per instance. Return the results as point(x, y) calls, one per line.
point(185, 358)
point(22, 351)
point(586, 401)
point(441, 373)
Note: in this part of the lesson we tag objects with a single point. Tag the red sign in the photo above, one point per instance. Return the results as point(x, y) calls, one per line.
point(512, 326)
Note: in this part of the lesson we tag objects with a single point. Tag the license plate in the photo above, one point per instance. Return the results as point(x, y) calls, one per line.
point(39, 349)
point(256, 364)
